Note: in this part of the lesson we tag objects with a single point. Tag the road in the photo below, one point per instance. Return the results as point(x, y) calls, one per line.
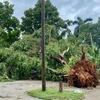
point(17, 90)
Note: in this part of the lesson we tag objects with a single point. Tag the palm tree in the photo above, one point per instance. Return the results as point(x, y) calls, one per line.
point(66, 31)
point(80, 22)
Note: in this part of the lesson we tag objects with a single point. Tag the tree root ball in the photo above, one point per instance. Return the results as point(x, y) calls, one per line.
point(83, 74)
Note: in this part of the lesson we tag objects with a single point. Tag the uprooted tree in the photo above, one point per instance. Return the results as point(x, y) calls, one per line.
point(83, 73)
point(60, 58)
point(60, 61)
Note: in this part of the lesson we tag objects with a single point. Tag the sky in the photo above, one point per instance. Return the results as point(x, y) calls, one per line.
point(68, 9)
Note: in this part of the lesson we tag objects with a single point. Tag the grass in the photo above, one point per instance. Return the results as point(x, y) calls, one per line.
point(54, 94)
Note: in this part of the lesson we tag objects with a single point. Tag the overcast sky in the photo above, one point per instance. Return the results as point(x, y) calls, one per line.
point(68, 9)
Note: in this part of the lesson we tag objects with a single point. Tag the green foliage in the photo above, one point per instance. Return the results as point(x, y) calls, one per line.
point(54, 94)
point(54, 49)
point(6, 11)
point(71, 57)
point(22, 55)
point(5, 53)
point(28, 45)
point(50, 33)
point(19, 66)
point(32, 19)
point(63, 70)
point(9, 25)
point(5, 78)
point(73, 60)
point(95, 32)
point(58, 76)
point(94, 55)
point(3, 43)
point(3, 69)
point(86, 29)
point(3, 73)
point(80, 22)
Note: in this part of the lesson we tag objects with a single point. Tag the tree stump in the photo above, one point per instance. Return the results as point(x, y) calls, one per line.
point(60, 86)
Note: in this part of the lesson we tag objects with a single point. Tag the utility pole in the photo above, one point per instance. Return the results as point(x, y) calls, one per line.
point(43, 45)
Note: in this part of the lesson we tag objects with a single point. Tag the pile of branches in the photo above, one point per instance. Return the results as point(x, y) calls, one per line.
point(83, 73)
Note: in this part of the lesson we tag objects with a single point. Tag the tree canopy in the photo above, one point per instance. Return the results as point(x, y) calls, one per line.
point(9, 25)
point(31, 20)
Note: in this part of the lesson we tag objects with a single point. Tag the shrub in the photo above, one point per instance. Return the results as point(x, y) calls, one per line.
point(5, 53)
point(3, 69)
point(19, 66)
point(28, 45)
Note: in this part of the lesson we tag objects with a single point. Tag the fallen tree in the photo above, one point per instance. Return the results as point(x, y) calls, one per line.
point(60, 59)
point(83, 73)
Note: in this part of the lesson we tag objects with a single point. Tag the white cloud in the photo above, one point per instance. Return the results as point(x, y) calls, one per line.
point(68, 9)
point(97, 9)
point(6, 0)
point(97, 1)
point(2, 0)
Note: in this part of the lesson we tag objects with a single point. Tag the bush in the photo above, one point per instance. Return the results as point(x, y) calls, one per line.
point(19, 65)
point(28, 45)
point(5, 53)
point(3, 69)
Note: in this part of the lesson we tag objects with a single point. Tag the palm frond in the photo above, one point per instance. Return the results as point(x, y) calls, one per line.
point(87, 20)
point(75, 22)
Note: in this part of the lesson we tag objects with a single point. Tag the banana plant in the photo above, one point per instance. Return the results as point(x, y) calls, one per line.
point(94, 55)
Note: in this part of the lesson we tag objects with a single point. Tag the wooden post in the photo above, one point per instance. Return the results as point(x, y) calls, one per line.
point(60, 86)
point(43, 45)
